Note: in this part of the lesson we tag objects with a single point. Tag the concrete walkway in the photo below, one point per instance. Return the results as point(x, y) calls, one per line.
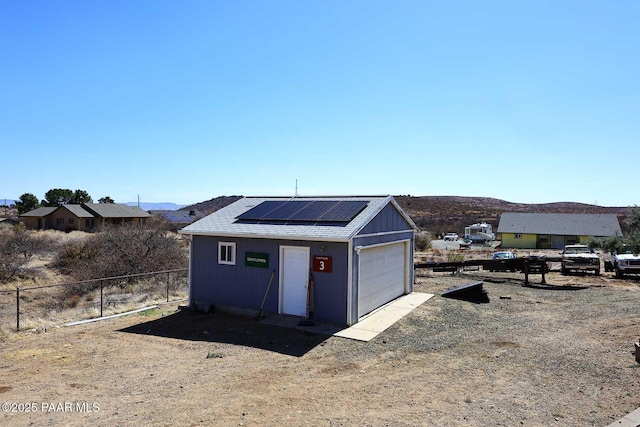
point(632, 419)
point(367, 328)
point(380, 319)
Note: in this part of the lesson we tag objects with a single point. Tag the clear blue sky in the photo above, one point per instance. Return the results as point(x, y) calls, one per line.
point(182, 101)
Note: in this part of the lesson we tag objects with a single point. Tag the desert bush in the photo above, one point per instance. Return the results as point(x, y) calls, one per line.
point(455, 257)
point(618, 243)
point(72, 300)
point(422, 241)
point(17, 246)
point(119, 250)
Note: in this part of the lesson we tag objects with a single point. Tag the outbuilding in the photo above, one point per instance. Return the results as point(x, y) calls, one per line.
point(343, 257)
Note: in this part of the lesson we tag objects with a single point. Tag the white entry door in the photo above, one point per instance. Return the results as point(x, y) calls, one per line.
point(294, 280)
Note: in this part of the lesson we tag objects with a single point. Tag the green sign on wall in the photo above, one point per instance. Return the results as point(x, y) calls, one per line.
point(256, 259)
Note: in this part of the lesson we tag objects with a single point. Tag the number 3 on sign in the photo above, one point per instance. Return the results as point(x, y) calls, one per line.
point(322, 264)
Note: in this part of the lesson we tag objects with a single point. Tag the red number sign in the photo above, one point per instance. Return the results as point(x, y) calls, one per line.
point(322, 264)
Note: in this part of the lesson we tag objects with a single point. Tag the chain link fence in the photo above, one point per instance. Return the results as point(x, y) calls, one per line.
point(52, 305)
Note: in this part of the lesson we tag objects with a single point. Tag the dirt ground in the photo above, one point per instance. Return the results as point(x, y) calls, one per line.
point(555, 354)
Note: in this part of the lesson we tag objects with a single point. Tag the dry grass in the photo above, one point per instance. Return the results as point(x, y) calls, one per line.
point(38, 265)
point(62, 237)
point(45, 308)
point(48, 307)
point(51, 306)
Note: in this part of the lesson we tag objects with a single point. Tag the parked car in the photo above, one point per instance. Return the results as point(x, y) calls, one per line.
point(450, 237)
point(503, 255)
point(625, 263)
point(579, 258)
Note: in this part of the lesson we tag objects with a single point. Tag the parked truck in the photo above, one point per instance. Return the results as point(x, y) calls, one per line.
point(580, 258)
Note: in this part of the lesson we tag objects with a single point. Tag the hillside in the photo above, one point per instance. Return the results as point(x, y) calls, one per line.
point(438, 214)
point(213, 205)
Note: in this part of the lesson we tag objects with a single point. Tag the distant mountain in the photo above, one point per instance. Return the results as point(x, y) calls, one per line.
point(214, 204)
point(165, 206)
point(439, 214)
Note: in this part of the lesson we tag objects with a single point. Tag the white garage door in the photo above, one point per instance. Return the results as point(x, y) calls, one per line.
point(382, 276)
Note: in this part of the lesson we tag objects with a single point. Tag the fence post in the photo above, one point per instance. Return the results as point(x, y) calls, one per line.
point(168, 282)
point(17, 309)
point(101, 304)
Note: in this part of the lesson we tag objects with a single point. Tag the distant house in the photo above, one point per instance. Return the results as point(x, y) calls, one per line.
point(114, 213)
point(38, 219)
point(83, 217)
point(552, 230)
point(179, 218)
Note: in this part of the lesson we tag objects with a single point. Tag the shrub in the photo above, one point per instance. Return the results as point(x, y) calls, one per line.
point(423, 241)
point(72, 301)
point(455, 257)
point(17, 246)
point(120, 250)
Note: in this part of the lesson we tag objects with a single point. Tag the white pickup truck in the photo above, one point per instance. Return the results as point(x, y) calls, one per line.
point(626, 263)
point(580, 258)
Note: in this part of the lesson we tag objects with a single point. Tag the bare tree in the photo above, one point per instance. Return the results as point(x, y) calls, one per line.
point(17, 246)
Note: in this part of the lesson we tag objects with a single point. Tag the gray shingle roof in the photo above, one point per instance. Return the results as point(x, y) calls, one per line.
point(40, 212)
point(114, 210)
point(223, 222)
point(559, 224)
point(78, 211)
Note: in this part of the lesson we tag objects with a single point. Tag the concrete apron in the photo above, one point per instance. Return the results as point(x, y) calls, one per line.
point(632, 419)
point(369, 326)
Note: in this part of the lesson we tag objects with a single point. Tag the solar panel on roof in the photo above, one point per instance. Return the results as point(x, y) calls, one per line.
point(287, 209)
point(314, 210)
point(304, 211)
point(346, 210)
point(261, 210)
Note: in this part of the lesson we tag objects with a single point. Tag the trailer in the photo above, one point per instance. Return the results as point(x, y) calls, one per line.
point(527, 265)
point(480, 232)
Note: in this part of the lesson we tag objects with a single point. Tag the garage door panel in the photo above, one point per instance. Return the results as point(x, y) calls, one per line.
point(382, 276)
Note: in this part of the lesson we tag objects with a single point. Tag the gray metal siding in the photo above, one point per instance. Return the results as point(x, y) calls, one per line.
point(231, 285)
point(330, 302)
point(388, 219)
point(244, 287)
point(383, 238)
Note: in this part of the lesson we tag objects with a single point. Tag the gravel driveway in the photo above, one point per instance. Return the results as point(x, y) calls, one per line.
point(556, 354)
